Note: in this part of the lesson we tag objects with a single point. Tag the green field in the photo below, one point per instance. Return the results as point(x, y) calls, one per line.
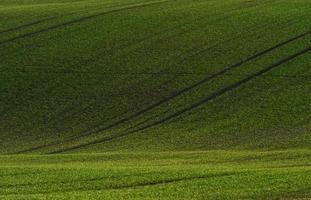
point(159, 99)
point(167, 175)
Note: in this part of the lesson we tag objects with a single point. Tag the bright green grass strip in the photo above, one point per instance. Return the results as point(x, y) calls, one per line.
point(166, 175)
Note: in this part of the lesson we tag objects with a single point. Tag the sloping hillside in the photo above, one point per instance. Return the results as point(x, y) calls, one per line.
point(94, 76)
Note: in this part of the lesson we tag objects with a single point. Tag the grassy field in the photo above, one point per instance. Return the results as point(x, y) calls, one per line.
point(109, 76)
point(174, 99)
point(166, 175)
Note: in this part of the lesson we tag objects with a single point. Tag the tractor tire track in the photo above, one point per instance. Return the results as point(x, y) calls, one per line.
point(130, 6)
point(108, 100)
point(63, 182)
point(201, 51)
point(174, 95)
point(74, 137)
point(213, 76)
point(91, 131)
point(179, 26)
point(79, 20)
point(35, 45)
point(198, 19)
point(47, 19)
point(129, 186)
point(288, 23)
point(92, 59)
point(141, 41)
point(193, 106)
point(163, 70)
point(177, 180)
point(28, 24)
point(223, 14)
point(224, 72)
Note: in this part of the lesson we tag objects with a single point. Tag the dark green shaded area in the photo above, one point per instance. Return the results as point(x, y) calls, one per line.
point(154, 75)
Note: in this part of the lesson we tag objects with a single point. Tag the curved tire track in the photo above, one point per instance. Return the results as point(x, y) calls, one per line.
point(123, 46)
point(184, 24)
point(79, 20)
point(191, 87)
point(98, 130)
point(195, 105)
point(174, 95)
point(36, 22)
point(28, 24)
point(152, 36)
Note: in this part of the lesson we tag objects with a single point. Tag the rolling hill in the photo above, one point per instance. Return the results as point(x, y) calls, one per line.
point(88, 76)
point(155, 75)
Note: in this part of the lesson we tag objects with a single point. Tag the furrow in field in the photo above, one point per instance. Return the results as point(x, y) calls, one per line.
point(29, 24)
point(47, 19)
point(161, 72)
point(79, 20)
point(124, 46)
point(171, 97)
point(193, 106)
point(126, 186)
point(209, 78)
point(152, 75)
point(99, 178)
point(171, 29)
point(177, 180)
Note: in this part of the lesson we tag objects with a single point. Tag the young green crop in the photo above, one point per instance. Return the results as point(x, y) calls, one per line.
point(166, 175)
point(155, 99)
point(130, 75)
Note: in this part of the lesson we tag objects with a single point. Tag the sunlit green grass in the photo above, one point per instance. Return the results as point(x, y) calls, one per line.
point(168, 175)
